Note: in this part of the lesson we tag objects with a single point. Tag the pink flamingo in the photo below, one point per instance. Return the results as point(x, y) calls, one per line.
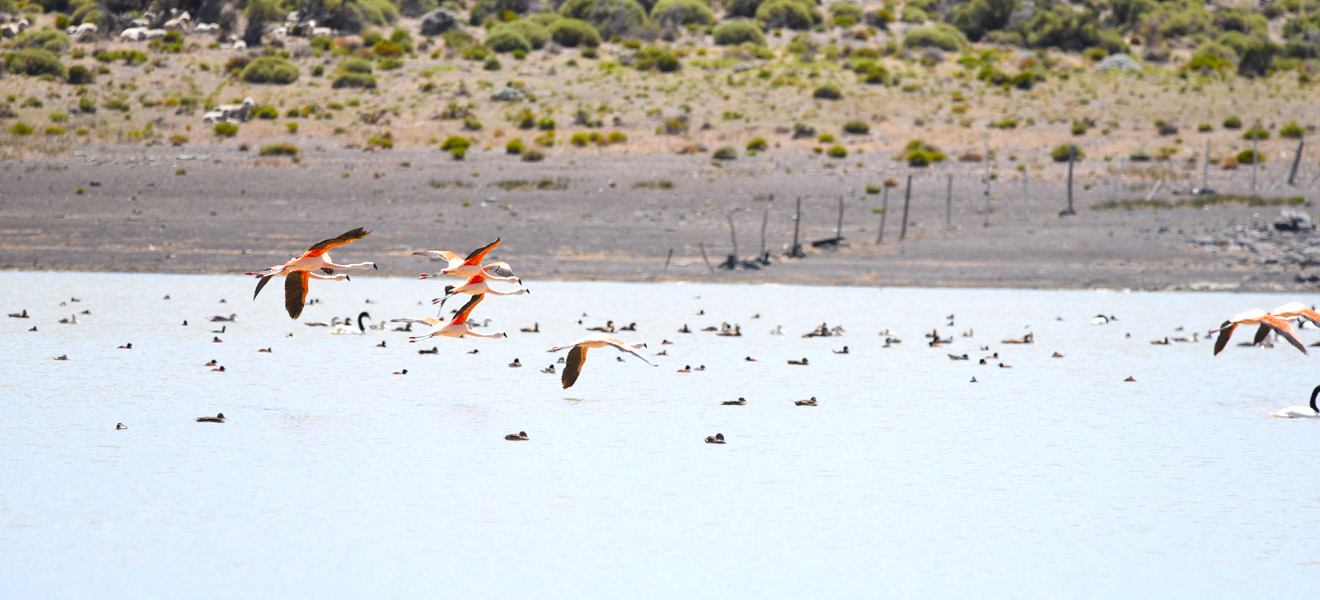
point(466, 267)
point(456, 327)
point(298, 270)
point(578, 354)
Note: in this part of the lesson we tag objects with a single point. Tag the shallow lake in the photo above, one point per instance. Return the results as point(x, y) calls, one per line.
point(335, 477)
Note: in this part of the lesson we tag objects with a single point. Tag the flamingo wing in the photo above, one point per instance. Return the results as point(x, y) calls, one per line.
point(623, 346)
point(475, 257)
point(1309, 315)
point(324, 246)
point(1261, 333)
point(439, 254)
point(573, 366)
point(261, 284)
point(1225, 332)
point(295, 293)
point(1284, 329)
point(462, 315)
point(498, 269)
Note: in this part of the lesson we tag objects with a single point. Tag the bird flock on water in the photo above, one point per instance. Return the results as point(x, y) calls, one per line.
point(476, 275)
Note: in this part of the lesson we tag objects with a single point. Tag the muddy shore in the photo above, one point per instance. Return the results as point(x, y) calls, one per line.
point(215, 209)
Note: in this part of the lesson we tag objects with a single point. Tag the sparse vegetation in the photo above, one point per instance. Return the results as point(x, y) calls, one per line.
point(226, 129)
point(280, 149)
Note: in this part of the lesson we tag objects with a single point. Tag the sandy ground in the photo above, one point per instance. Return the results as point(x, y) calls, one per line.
point(215, 209)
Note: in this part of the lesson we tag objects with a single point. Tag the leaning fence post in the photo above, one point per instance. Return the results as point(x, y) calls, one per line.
point(1026, 196)
point(907, 200)
point(1255, 162)
point(796, 250)
point(884, 212)
point(986, 138)
point(1072, 158)
point(948, 204)
point(838, 229)
point(1297, 160)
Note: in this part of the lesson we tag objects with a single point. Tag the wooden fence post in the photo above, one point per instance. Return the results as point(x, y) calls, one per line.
point(907, 200)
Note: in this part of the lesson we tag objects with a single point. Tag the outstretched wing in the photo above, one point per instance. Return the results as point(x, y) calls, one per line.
point(498, 269)
point(1261, 333)
point(423, 320)
point(295, 293)
point(629, 348)
point(450, 257)
point(1283, 328)
point(462, 315)
point(323, 246)
point(261, 284)
point(573, 366)
point(480, 253)
point(1225, 332)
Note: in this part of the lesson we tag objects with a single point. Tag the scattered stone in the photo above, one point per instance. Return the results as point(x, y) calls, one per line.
point(438, 21)
point(1117, 62)
point(508, 94)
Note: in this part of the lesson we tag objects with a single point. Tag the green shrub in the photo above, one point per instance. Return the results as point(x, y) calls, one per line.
point(355, 64)
point(828, 91)
point(920, 154)
point(21, 128)
point(790, 14)
point(354, 80)
point(226, 129)
point(86, 105)
point(942, 36)
point(725, 153)
point(579, 139)
point(837, 152)
point(1205, 127)
point(1232, 122)
point(492, 64)
point(79, 75)
point(270, 69)
point(678, 13)
point(617, 137)
point(1256, 133)
point(846, 14)
point(46, 38)
point(1140, 155)
point(1249, 157)
point(507, 40)
point(281, 149)
point(292, 126)
point(456, 141)
point(1292, 130)
point(35, 63)
point(610, 17)
point(53, 130)
point(266, 111)
point(656, 57)
point(571, 33)
point(533, 155)
point(1060, 153)
point(535, 33)
point(515, 146)
point(856, 127)
point(738, 32)
point(757, 145)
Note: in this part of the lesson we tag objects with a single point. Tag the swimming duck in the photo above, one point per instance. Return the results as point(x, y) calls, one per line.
point(22, 315)
point(263, 350)
point(739, 402)
point(844, 351)
point(62, 357)
point(715, 439)
point(549, 370)
point(798, 362)
point(515, 364)
point(121, 426)
point(219, 369)
point(403, 372)
point(218, 418)
point(808, 402)
point(128, 346)
point(749, 359)
point(381, 344)
point(521, 436)
point(686, 369)
point(957, 357)
point(535, 328)
point(685, 329)
point(433, 350)
point(217, 340)
point(212, 363)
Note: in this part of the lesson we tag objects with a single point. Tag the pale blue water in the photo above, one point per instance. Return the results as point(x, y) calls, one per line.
point(335, 478)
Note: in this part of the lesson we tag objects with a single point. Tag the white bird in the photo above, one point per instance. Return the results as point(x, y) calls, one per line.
point(456, 327)
point(1301, 412)
point(578, 354)
point(347, 328)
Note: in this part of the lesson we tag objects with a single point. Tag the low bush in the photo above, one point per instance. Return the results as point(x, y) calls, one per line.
point(724, 153)
point(757, 145)
point(535, 33)
point(354, 80)
point(679, 13)
point(856, 127)
point(507, 40)
point(533, 155)
point(1249, 157)
point(1256, 133)
point(657, 58)
point(571, 33)
point(1232, 122)
point(920, 154)
point(738, 32)
point(270, 69)
point(828, 91)
point(1292, 130)
point(515, 146)
point(791, 14)
point(79, 75)
point(1060, 153)
point(610, 17)
point(943, 36)
point(34, 63)
point(226, 129)
point(281, 149)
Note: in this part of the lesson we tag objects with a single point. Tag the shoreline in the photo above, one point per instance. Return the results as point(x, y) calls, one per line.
point(159, 209)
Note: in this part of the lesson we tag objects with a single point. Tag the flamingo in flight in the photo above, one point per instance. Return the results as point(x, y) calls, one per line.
point(578, 354)
point(456, 327)
point(475, 285)
point(466, 267)
point(298, 270)
point(1267, 322)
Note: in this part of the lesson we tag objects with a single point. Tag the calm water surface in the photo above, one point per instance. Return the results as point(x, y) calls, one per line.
point(335, 477)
